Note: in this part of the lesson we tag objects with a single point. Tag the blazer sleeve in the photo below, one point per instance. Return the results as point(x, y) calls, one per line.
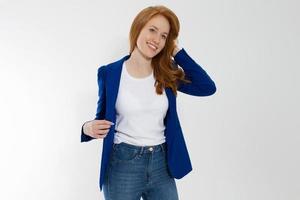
point(201, 84)
point(100, 112)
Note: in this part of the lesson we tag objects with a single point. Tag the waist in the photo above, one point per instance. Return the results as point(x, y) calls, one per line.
point(142, 149)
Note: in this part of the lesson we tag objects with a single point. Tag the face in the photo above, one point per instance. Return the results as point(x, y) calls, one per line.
point(153, 36)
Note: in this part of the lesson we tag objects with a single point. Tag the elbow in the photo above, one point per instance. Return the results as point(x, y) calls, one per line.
point(212, 89)
point(207, 90)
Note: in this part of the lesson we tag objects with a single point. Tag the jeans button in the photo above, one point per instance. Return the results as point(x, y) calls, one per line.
point(150, 149)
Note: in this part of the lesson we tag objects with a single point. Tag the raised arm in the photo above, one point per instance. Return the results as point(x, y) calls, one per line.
point(201, 84)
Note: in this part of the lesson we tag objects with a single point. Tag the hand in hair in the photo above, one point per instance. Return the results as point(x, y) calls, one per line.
point(176, 48)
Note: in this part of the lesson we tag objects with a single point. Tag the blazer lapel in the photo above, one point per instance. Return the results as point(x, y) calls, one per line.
point(113, 76)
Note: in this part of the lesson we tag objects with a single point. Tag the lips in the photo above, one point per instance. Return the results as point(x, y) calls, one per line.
point(152, 46)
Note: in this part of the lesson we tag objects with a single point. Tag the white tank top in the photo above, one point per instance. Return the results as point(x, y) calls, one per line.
point(140, 112)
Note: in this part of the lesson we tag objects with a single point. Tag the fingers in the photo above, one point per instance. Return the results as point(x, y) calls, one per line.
point(103, 121)
point(101, 135)
point(101, 131)
point(100, 128)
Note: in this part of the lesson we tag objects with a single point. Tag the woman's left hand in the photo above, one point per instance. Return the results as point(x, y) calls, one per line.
point(176, 49)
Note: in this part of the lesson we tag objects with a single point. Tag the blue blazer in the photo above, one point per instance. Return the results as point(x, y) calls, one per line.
point(177, 154)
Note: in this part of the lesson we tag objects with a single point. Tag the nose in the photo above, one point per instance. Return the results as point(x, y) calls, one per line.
point(156, 40)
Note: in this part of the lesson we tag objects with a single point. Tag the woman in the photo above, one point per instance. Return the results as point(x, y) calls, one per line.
point(143, 145)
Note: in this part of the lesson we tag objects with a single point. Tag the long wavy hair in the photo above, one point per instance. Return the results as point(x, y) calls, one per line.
point(166, 72)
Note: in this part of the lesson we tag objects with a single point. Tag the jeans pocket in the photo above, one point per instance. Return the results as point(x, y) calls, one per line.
point(124, 154)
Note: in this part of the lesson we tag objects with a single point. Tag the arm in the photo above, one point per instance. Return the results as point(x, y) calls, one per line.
point(201, 84)
point(100, 113)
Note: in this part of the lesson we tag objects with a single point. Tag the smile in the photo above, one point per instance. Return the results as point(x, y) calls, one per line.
point(152, 46)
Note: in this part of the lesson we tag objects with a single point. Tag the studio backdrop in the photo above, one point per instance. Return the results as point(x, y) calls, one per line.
point(243, 140)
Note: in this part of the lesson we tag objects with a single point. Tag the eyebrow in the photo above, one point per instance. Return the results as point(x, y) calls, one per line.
point(157, 29)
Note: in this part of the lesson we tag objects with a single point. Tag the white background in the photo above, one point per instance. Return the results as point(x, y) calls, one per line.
point(243, 140)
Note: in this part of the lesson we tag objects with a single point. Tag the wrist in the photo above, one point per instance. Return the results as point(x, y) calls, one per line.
point(85, 128)
point(175, 51)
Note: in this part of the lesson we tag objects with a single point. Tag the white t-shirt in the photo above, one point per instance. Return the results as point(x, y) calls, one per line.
point(140, 111)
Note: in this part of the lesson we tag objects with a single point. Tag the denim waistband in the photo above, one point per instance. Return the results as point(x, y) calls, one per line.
point(143, 149)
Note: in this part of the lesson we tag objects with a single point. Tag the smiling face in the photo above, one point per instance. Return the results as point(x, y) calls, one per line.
point(153, 36)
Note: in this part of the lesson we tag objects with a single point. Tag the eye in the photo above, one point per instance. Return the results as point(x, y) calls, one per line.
point(165, 37)
point(151, 29)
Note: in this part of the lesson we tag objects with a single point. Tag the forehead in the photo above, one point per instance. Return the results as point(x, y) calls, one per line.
point(159, 22)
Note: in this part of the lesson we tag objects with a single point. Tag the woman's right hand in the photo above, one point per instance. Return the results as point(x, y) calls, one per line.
point(97, 128)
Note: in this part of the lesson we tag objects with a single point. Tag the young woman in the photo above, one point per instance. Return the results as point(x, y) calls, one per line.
point(143, 144)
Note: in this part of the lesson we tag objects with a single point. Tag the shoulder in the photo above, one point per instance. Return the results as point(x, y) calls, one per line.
point(101, 70)
point(112, 65)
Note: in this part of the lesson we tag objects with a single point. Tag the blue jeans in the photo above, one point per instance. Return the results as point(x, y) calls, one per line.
point(135, 171)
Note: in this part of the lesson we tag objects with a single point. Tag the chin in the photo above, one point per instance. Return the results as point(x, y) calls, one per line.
point(149, 54)
point(153, 54)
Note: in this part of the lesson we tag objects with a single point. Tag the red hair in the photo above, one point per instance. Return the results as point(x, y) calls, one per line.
point(166, 72)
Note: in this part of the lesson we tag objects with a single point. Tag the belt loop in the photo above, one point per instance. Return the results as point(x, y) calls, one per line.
point(162, 147)
point(141, 151)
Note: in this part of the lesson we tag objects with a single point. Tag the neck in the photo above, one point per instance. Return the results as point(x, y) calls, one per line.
point(137, 58)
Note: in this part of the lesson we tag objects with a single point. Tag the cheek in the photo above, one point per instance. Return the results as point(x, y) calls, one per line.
point(139, 41)
point(142, 39)
point(163, 44)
